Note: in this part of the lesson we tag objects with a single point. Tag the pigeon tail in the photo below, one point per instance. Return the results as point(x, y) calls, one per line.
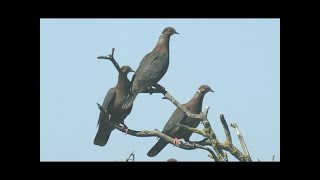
point(103, 133)
point(157, 148)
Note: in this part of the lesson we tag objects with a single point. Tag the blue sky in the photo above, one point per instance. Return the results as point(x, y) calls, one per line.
point(238, 58)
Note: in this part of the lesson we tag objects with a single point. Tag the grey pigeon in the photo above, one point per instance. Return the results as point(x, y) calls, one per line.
point(152, 67)
point(112, 103)
point(173, 130)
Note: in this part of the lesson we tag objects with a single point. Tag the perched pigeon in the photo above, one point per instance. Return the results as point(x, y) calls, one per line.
point(152, 67)
point(112, 103)
point(173, 130)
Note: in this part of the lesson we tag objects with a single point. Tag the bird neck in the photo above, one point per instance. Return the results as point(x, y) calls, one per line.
point(123, 81)
point(163, 43)
point(197, 100)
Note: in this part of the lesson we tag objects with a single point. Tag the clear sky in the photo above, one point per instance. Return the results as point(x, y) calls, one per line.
point(238, 58)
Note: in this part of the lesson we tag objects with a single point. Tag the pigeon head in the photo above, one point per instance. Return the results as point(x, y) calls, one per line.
point(205, 89)
point(169, 31)
point(126, 69)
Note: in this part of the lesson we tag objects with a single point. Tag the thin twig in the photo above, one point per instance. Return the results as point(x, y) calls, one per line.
point(241, 139)
point(132, 154)
point(226, 128)
point(114, 62)
point(193, 130)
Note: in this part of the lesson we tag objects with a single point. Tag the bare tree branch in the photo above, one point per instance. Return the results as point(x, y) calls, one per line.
point(193, 130)
point(168, 96)
point(226, 128)
point(210, 136)
point(212, 141)
point(204, 142)
point(157, 133)
point(208, 132)
point(114, 62)
point(132, 154)
point(241, 139)
point(227, 146)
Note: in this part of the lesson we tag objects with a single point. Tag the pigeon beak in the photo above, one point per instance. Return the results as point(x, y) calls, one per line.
point(131, 70)
point(176, 32)
point(211, 90)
